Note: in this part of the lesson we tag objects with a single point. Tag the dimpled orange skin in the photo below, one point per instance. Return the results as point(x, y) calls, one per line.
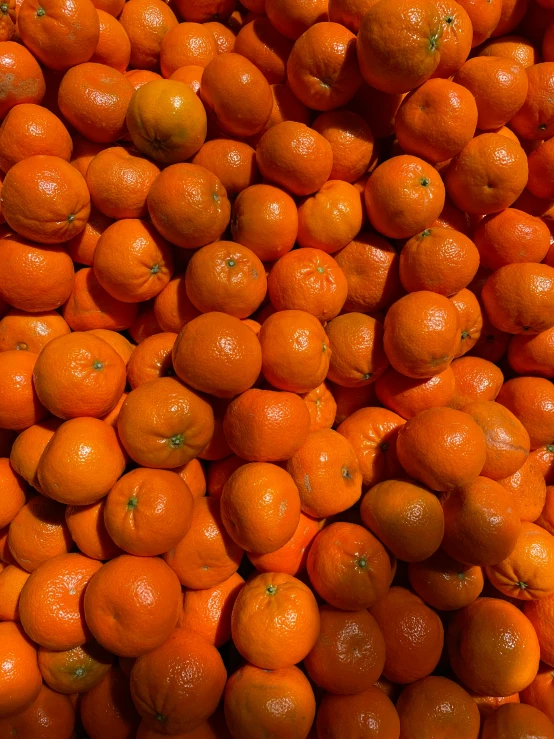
point(493, 647)
point(528, 354)
point(444, 583)
point(517, 720)
point(422, 334)
point(531, 400)
point(21, 679)
point(45, 199)
point(86, 526)
point(357, 354)
point(266, 426)
point(12, 580)
point(30, 332)
point(331, 218)
point(208, 611)
point(76, 670)
point(348, 566)
point(527, 489)
point(13, 487)
point(321, 406)
point(535, 119)
point(365, 713)
point(442, 447)
point(217, 354)
point(519, 298)
point(488, 175)
point(275, 621)
point(403, 196)
point(295, 351)
point(234, 162)
point(50, 606)
point(38, 533)
point(51, 713)
point(152, 360)
point(529, 238)
point(408, 397)
point(290, 558)
point(132, 604)
point(25, 81)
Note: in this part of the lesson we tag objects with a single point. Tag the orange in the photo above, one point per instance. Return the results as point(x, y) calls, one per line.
point(348, 566)
point(327, 474)
point(527, 490)
point(26, 80)
point(119, 182)
point(117, 341)
point(517, 721)
point(88, 530)
point(481, 523)
point(50, 713)
point(506, 438)
point(403, 196)
point(13, 495)
point(234, 162)
point(331, 218)
point(295, 157)
point(434, 320)
point(60, 36)
point(487, 704)
point(351, 141)
point(224, 36)
point(407, 518)
point(208, 611)
point(163, 698)
point(79, 374)
point(291, 557)
point(322, 69)
point(416, 53)
point(444, 583)
point(207, 555)
point(94, 100)
point(291, 19)
point(275, 621)
point(539, 693)
point(286, 107)
point(544, 458)
point(488, 175)
point(30, 332)
point(261, 701)
point(540, 167)
point(289, 363)
point(518, 48)
point(267, 48)
point(413, 635)
point(438, 259)
point(172, 307)
point(226, 277)
point(12, 580)
point(145, 323)
point(74, 670)
point(236, 94)
point(45, 199)
point(534, 120)
point(357, 354)
point(186, 43)
point(492, 343)
point(484, 18)
point(132, 604)
point(350, 716)
point(529, 399)
point(266, 426)
point(151, 359)
point(527, 354)
point(113, 48)
point(476, 379)
point(201, 11)
point(437, 120)
point(177, 426)
point(436, 704)
point(30, 129)
point(191, 75)
point(499, 86)
point(408, 397)
point(264, 219)
point(38, 533)
point(50, 606)
point(215, 353)
point(146, 23)
point(36, 277)
point(493, 647)
point(108, 707)
point(132, 262)
point(511, 236)
point(349, 12)
point(260, 507)
point(321, 406)
point(111, 417)
point(188, 205)
point(309, 280)
point(155, 121)
point(456, 39)
point(539, 613)
point(21, 679)
point(526, 573)
point(89, 306)
point(84, 152)
point(148, 512)
point(349, 654)
point(81, 247)
point(19, 403)
point(373, 433)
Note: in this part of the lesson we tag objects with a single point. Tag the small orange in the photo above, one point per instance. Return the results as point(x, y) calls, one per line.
point(348, 566)
point(533, 121)
point(291, 557)
point(530, 400)
point(275, 621)
point(207, 555)
point(309, 280)
point(234, 162)
point(511, 236)
point(145, 323)
point(444, 583)
point(151, 359)
point(88, 530)
point(50, 712)
point(527, 490)
point(518, 48)
point(113, 48)
point(219, 472)
point(527, 354)
point(321, 406)
point(404, 196)
point(224, 36)
point(517, 720)
point(408, 397)
point(108, 707)
point(117, 341)
point(20, 406)
point(484, 18)
point(148, 512)
point(21, 679)
point(413, 633)
point(348, 715)
point(351, 140)
point(13, 492)
point(357, 354)
point(172, 307)
point(38, 533)
point(191, 75)
point(90, 306)
point(267, 48)
point(331, 218)
point(208, 611)
point(12, 580)
point(76, 670)
point(81, 247)
point(539, 693)
point(186, 43)
point(457, 37)
point(476, 379)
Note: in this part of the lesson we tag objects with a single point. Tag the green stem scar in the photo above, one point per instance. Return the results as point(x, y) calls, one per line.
point(176, 441)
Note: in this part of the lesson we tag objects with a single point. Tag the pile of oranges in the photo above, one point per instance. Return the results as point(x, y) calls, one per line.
point(276, 364)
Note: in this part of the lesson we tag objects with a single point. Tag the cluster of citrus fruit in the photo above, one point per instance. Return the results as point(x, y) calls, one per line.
point(276, 363)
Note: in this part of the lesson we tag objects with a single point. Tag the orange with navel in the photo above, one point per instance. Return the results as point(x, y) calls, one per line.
point(444, 583)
